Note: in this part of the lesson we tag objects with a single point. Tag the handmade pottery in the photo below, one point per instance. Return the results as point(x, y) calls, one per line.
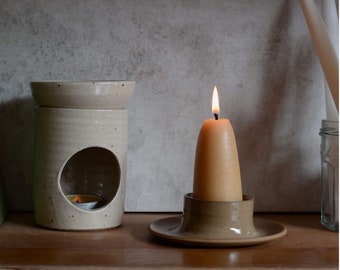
point(80, 148)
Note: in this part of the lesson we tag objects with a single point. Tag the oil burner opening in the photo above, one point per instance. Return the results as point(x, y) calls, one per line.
point(90, 178)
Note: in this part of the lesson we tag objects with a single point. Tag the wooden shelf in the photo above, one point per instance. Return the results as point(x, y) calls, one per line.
point(23, 245)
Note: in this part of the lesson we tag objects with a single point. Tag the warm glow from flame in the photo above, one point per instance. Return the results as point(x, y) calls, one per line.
point(215, 103)
point(77, 199)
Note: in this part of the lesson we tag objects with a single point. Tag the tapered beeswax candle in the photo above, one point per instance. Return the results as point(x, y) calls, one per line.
point(217, 172)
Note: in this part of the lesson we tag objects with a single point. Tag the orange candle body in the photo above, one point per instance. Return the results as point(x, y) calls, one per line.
point(217, 171)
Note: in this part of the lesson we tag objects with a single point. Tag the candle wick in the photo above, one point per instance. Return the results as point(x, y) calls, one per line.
point(216, 116)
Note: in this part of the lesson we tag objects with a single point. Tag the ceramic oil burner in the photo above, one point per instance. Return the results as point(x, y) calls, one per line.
point(80, 153)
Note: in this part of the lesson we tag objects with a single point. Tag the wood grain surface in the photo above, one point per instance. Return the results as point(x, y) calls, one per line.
point(307, 245)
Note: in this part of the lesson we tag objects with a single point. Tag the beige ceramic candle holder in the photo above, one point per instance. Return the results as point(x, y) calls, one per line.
point(80, 150)
point(216, 223)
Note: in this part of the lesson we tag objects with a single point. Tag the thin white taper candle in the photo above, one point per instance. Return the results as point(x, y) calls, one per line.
point(323, 44)
point(330, 17)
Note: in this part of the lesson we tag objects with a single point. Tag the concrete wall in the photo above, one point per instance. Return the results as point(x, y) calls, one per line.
point(258, 53)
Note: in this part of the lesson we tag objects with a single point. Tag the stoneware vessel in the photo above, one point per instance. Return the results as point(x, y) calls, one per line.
point(218, 220)
point(216, 224)
point(80, 149)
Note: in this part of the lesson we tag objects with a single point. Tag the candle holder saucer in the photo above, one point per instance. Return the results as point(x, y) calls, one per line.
point(217, 224)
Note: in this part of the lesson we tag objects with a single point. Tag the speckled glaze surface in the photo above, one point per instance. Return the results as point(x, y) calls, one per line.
point(80, 150)
point(83, 94)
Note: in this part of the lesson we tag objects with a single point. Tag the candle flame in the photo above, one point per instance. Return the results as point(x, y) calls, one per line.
point(215, 108)
point(77, 199)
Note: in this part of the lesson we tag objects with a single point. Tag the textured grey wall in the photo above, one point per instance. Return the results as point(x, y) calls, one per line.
point(258, 53)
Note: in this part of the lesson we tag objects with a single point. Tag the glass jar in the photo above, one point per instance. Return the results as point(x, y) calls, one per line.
point(329, 150)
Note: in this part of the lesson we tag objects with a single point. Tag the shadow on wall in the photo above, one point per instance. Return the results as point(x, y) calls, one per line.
point(17, 151)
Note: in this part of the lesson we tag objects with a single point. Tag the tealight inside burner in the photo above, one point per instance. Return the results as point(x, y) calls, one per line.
point(85, 202)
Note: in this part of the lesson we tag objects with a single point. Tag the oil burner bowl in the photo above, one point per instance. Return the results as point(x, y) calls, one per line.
point(216, 224)
point(83, 94)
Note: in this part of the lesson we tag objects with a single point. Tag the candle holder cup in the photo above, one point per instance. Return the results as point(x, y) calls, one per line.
point(216, 224)
point(218, 219)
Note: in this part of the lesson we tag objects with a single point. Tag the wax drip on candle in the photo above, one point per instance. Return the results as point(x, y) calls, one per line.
point(215, 107)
